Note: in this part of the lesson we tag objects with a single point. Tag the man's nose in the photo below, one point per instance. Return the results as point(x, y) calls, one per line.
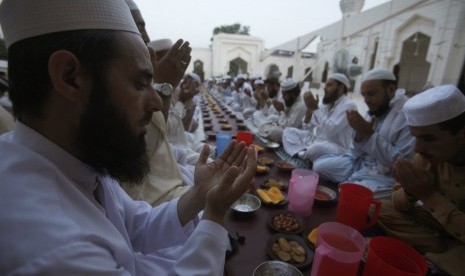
point(155, 102)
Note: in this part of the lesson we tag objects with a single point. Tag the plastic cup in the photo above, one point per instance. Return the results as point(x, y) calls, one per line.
point(354, 205)
point(222, 141)
point(388, 256)
point(245, 136)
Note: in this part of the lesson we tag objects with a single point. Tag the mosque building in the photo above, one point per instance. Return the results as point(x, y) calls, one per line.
point(421, 41)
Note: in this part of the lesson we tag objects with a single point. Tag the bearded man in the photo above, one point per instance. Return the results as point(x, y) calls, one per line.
point(324, 130)
point(81, 83)
point(380, 138)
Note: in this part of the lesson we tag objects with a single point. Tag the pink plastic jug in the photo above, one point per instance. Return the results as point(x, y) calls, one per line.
point(339, 250)
point(302, 188)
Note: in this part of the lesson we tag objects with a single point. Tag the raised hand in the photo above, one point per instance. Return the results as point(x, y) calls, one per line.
point(363, 129)
point(310, 101)
point(218, 184)
point(279, 106)
point(416, 182)
point(188, 91)
point(171, 67)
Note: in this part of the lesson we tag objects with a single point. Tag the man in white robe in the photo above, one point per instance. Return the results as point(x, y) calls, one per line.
point(80, 126)
point(291, 112)
point(380, 138)
point(324, 130)
point(266, 113)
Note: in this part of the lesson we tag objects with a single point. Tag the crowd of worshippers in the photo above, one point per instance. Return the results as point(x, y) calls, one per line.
point(101, 172)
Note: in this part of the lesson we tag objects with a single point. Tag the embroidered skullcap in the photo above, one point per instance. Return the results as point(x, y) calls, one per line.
point(132, 5)
point(435, 105)
point(195, 77)
point(22, 19)
point(341, 78)
point(255, 77)
point(258, 82)
point(379, 74)
point(288, 84)
point(161, 44)
point(240, 77)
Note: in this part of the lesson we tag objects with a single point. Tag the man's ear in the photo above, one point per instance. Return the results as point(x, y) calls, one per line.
point(66, 75)
point(391, 90)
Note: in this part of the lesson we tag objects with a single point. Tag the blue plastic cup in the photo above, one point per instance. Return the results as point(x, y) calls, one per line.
point(222, 141)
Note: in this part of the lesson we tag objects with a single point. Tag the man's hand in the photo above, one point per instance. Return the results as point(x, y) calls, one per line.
point(310, 101)
point(247, 92)
point(363, 129)
point(220, 183)
point(279, 106)
point(173, 65)
point(416, 182)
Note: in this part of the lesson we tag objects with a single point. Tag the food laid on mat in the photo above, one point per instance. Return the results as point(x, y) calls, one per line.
point(271, 182)
point(289, 251)
point(271, 196)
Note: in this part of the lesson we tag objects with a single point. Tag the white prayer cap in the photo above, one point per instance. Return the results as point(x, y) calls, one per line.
point(379, 74)
point(435, 105)
point(288, 84)
point(161, 44)
point(23, 19)
point(254, 77)
point(341, 78)
point(258, 82)
point(132, 5)
point(195, 77)
point(240, 77)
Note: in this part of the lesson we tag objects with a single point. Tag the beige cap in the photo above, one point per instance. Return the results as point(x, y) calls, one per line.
point(379, 74)
point(341, 78)
point(288, 84)
point(21, 19)
point(435, 105)
point(161, 44)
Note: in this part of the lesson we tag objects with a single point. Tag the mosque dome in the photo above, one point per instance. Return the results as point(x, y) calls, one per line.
point(351, 6)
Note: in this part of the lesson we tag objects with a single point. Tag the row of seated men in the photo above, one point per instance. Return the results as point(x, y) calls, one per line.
point(376, 150)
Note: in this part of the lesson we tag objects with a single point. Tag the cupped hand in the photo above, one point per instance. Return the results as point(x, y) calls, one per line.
point(171, 67)
point(279, 106)
point(233, 183)
point(363, 129)
point(310, 101)
point(416, 182)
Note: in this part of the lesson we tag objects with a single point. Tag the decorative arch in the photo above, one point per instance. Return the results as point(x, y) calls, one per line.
point(237, 66)
point(198, 69)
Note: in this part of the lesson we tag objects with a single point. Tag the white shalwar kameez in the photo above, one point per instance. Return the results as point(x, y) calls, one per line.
point(328, 132)
point(290, 117)
point(370, 162)
point(51, 223)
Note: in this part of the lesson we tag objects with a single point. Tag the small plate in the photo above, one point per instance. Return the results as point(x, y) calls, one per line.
point(247, 203)
point(207, 126)
point(325, 196)
point(241, 126)
point(281, 187)
point(276, 268)
point(265, 161)
point(285, 166)
point(222, 121)
point(258, 148)
point(299, 220)
point(272, 145)
point(226, 127)
point(211, 134)
point(308, 252)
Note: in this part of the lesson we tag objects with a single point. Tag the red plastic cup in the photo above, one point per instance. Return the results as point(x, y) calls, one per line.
point(245, 136)
point(388, 256)
point(354, 205)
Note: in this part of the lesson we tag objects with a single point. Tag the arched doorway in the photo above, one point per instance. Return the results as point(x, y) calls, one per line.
point(237, 66)
point(413, 68)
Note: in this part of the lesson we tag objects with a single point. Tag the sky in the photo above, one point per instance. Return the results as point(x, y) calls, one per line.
point(275, 21)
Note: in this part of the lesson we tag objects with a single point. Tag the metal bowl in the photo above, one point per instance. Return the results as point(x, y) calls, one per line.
point(276, 268)
point(247, 203)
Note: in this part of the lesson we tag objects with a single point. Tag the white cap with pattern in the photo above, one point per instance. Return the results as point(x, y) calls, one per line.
point(341, 78)
point(288, 84)
point(379, 74)
point(22, 19)
point(435, 105)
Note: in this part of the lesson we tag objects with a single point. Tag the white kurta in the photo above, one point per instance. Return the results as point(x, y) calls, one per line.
point(328, 132)
point(290, 117)
point(51, 223)
point(370, 162)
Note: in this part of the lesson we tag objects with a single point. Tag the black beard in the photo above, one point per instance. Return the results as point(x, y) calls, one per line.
point(330, 98)
point(107, 142)
point(380, 111)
